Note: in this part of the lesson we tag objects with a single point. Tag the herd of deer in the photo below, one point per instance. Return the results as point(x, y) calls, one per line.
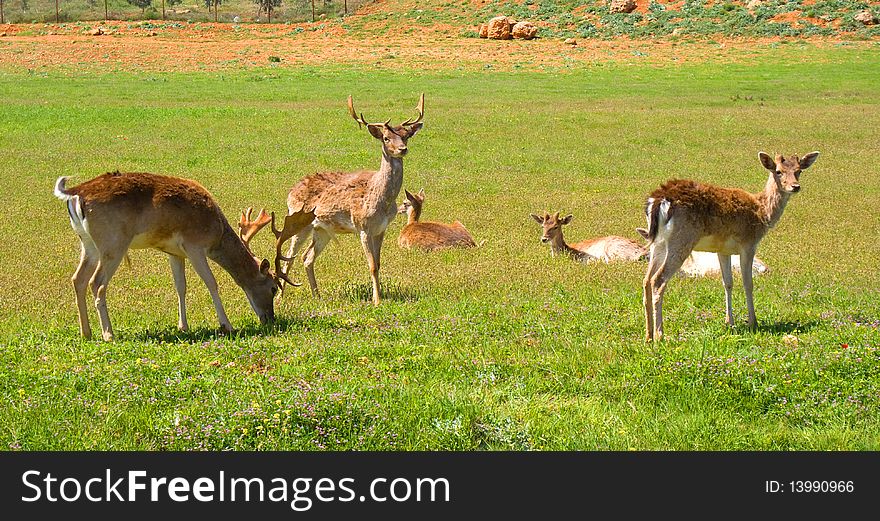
point(693, 227)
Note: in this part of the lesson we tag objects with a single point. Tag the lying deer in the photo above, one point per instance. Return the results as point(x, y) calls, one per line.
point(705, 264)
point(604, 249)
point(429, 235)
point(115, 212)
point(687, 215)
point(362, 202)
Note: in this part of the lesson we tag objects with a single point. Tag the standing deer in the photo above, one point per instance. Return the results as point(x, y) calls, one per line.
point(686, 215)
point(430, 235)
point(115, 212)
point(362, 202)
point(604, 249)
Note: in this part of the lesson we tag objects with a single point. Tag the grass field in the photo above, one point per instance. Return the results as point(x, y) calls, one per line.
point(500, 347)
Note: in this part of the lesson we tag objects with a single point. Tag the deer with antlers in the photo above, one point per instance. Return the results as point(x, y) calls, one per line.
point(429, 235)
point(606, 249)
point(362, 202)
point(687, 215)
point(115, 212)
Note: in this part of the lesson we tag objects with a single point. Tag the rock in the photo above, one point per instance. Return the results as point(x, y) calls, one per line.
point(622, 6)
point(678, 31)
point(499, 28)
point(524, 30)
point(3, 34)
point(570, 41)
point(236, 20)
point(97, 31)
point(754, 3)
point(866, 17)
point(484, 30)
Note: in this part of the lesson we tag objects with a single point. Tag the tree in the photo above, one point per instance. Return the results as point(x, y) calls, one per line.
point(268, 6)
point(143, 4)
point(215, 3)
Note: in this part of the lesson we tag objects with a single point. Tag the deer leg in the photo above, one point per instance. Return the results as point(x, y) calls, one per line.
point(296, 244)
point(376, 251)
point(320, 239)
point(107, 266)
point(200, 264)
point(178, 269)
point(727, 280)
point(746, 259)
point(88, 261)
point(674, 258)
point(654, 262)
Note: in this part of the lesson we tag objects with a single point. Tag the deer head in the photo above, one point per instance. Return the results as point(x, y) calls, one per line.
point(393, 137)
point(552, 225)
point(786, 171)
point(412, 205)
point(247, 229)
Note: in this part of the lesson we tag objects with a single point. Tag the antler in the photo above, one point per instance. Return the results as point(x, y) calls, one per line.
point(420, 108)
point(248, 228)
point(293, 224)
point(360, 119)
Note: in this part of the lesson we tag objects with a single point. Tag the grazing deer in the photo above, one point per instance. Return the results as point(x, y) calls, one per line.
point(429, 235)
point(604, 249)
point(115, 212)
point(362, 202)
point(686, 215)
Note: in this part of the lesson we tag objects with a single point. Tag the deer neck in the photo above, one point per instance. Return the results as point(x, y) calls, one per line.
point(413, 214)
point(772, 202)
point(559, 246)
point(386, 184)
point(232, 255)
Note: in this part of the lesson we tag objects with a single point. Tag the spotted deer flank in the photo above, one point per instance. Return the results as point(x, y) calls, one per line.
point(429, 235)
point(685, 215)
point(605, 249)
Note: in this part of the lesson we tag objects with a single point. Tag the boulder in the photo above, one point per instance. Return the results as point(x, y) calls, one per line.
point(524, 30)
point(622, 6)
point(484, 30)
point(499, 28)
point(570, 41)
point(866, 17)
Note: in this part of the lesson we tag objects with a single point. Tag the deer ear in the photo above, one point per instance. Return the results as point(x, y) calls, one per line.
point(539, 219)
point(808, 160)
point(567, 219)
point(264, 266)
point(422, 194)
point(643, 232)
point(767, 161)
point(376, 130)
point(409, 196)
point(412, 129)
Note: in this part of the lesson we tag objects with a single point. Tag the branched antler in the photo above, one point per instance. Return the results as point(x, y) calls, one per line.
point(248, 228)
point(293, 224)
point(420, 108)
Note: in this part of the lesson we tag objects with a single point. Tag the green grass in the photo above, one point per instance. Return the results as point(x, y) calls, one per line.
point(501, 347)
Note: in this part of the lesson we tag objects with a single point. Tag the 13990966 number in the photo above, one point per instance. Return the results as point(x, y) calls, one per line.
point(821, 486)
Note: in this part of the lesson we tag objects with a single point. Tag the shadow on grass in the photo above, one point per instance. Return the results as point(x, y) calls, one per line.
point(251, 329)
point(778, 328)
point(393, 291)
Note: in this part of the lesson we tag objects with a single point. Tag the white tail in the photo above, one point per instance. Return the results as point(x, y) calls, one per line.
point(118, 211)
point(686, 215)
point(361, 202)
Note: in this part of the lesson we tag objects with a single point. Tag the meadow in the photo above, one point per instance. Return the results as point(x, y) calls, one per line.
point(499, 347)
